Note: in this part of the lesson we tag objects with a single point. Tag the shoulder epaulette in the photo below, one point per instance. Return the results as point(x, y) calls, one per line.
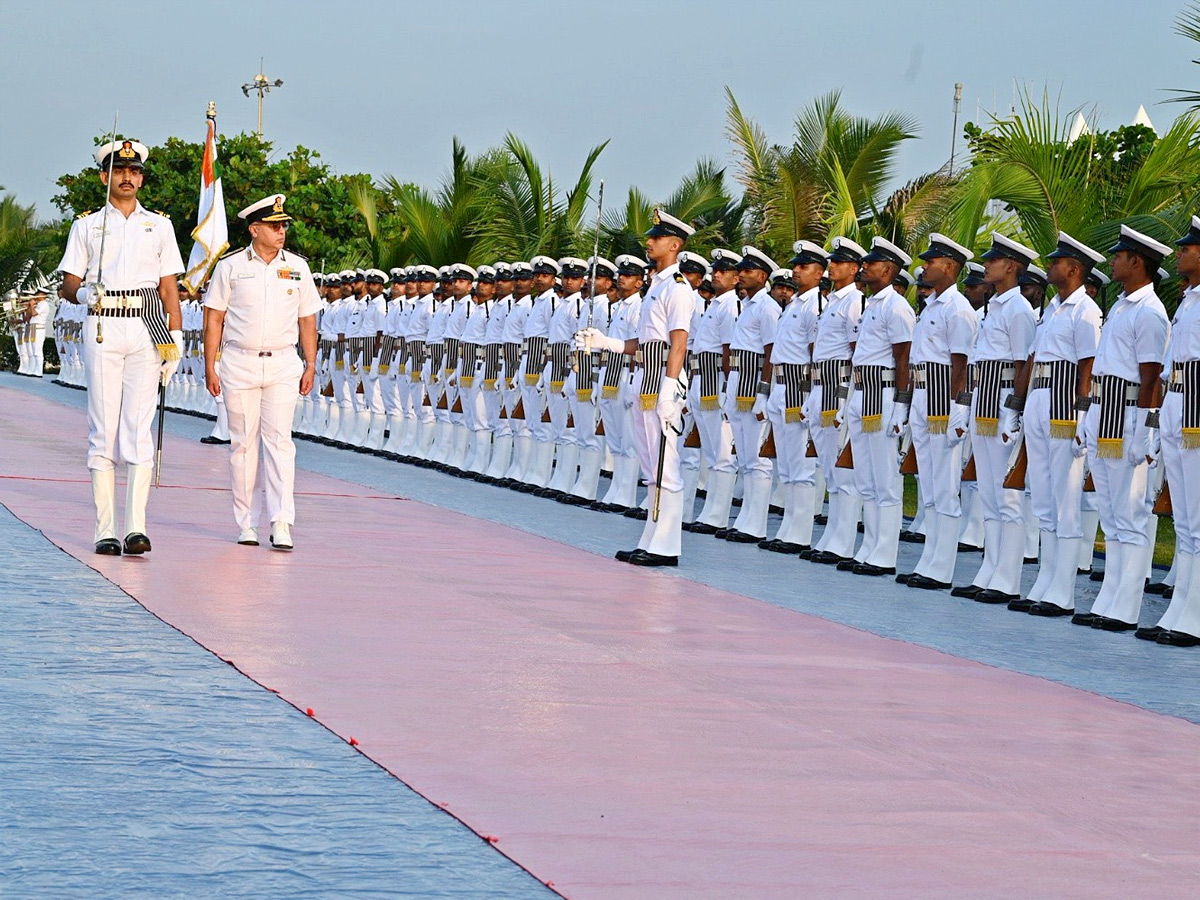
point(86, 212)
point(159, 212)
point(679, 279)
point(297, 255)
point(231, 253)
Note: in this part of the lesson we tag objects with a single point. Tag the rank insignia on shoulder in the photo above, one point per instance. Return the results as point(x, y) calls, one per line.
point(159, 212)
point(84, 214)
point(679, 279)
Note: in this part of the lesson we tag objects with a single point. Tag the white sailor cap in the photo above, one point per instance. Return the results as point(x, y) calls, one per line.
point(572, 267)
point(346, 275)
point(503, 271)
point(666, 225)
point(602, 266)
point(1034, 275)
point(398, 275)
point(487, 274)
point(883, 250)
point(268, 209)
point(1069, 248)
point(522, 270)
point(784, 277)
point(807, 252)
point(443, 272)
point(131, 154)
point(375, 276)
point(973, 273)
point(544, 265)
point(753, 258)
point(846, 250)
point(360, 274)
point(628, 264)
point(904, 280)
point(461, 270)
point(1193, 233)
point(919, 277)
point(425, 272)
point(693, 262)
point(1162, 275)
point(1007, 248)
point(1141, 244)
point(723, 259)
point(1098, 278)
point(940, 245)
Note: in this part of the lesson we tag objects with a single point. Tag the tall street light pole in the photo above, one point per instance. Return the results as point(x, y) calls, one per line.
point(261, 85)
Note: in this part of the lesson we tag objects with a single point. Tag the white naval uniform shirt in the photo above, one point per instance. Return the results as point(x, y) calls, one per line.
point(1135, 332)
point(797, 329)
point(837, 326)
point(668, 307)
point(263, 302)
point(138, 251)
point(514, 321)
point(1069, 329)
point(456, 321)
point(946, 326)
point(420, 319)
point(476, 324)
point(437, 322)
point(355, 318)
point(374, 315)
point(569, 317)
point(1007, 330)
point(1184, 345)
point(755, 327)
point(40, 310)
point(624, 316)
point(888, 319)
point(538, 322)
point(330, 320)
point(716, 324)
point(497, 320)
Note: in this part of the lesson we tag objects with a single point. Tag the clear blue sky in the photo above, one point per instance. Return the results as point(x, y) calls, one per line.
point(381, 87)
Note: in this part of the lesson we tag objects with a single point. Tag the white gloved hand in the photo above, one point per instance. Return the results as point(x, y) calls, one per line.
point(899, 419)
point(1139, 445)
point(1079, 445)
point(1010, 424)
point(760, 406)
point(86, 295)
point(169, 366)
point(672, 395)
point(588, 339)
point(956, 428)
point(807, 411)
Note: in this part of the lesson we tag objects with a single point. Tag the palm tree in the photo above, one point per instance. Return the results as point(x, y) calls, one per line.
point(23, 245)
point(830, 180)
point(1187, 24)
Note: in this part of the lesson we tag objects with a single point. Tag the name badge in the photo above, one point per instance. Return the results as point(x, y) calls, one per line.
point(241, 275)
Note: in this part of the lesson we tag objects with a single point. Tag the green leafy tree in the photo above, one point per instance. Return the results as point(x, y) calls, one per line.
point(27, 250)
point(327, 227)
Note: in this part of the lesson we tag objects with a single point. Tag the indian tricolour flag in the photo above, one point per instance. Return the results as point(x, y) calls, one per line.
point(211, 233)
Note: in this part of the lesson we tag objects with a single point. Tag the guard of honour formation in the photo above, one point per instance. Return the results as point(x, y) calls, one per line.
point(1027, 422)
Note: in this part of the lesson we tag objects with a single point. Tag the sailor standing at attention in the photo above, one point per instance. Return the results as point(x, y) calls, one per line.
point(122, 263)
point(660, 384)
point(262, 302)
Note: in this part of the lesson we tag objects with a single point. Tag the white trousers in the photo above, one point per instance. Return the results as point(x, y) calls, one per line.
point(876, 467)
point(794, 464)
point(1183, 475)
point(1120, 486)
point(747, 433)
point(260, 400)
point(716, 436)
point(122, 382)
point(648, 439)
point(1055, 475)
point(939, 466)
point(828, 441)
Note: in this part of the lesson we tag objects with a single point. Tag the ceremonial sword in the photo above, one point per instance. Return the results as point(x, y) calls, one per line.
point(112, 138)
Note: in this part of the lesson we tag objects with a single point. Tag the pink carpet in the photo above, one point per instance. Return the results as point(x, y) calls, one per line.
point(627, 734)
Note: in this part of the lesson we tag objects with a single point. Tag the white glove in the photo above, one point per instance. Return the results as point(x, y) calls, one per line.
point(672, 396)
point(806, 410)
point(169, 366)
point(86, 295)
point(899, 420)
point(588, 339)
point(1010, 424)
point(1079, 446)
point(956, 428)
point(1139, 445)
point(760, 406)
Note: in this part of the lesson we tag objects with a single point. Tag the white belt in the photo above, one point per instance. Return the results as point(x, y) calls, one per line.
point(250, 352)
point(108, 301)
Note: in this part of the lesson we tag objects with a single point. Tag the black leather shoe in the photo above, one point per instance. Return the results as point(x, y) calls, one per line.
point(968, 548)
point(764, 544)
point(702, 528)
point(1156, 588)
point(868, 569)
point(1021, 604)
point(524, 487)
point(108, 547)
point(1030, 560)
point(821, 519)
point(825, 558)
point(1104, 623)
point(627, 555)
point(912, 537)
point(926, 584)
point(654, 560)
point(136, 543)
point(970, 591)
point(1149, 634)
point(787, 547)
point(636, 513)
point(903, 577)
point(1178, 639)
point(1049, 610)
point(740, 537)
point(574, 500)
point(1169, 593)
point(807, 553)
point(1095, 576)
point(598, 506)
point(722, 533)
point(847, 565)
point(987, 595)
point(1082, 618)
point(212, 440)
